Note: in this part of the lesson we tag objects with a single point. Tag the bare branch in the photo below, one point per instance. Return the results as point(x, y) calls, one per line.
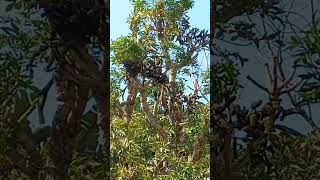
point(269, 72)
point(257, 84)
point(287, 81)
point(291, 88)
point(279, 65)
point(196, 148)
point(150, 117)
point(132, 94)
point(288, 130)
point(288, 112)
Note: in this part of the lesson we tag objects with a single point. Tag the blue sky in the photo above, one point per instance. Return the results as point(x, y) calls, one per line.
point(199, 18)
point(120, 10)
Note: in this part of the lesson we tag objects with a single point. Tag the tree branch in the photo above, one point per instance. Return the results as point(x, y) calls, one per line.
point(287, 81)
point(150, 117)
point(257, 84)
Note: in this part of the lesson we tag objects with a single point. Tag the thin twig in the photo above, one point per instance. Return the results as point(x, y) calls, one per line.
point(257, 84)
point(287, 81)
point(292, 87)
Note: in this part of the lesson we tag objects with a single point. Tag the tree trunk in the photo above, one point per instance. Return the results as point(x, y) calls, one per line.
point(66, 123)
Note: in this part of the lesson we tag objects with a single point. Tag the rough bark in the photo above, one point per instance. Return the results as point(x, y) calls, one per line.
point(66, 124)
point(151, 119)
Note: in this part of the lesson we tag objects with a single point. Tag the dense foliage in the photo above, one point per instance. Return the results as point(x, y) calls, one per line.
point(158, 130)
point(34, 46)
point(254, 134)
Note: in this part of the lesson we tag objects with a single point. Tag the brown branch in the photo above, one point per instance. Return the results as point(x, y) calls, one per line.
point(36, 54)
point(66, 123)
point(104, 95)
point(269, 72)
point(132, 94)
point(313, 14)
point(274, 82)
point(291, 98)
point(163, 100)
point(227, 152)
point(287, 81)
point(155, 107)
point(288, 112)
point(174, 113)
point(310, 121)
point(257, 84)
point(200, 141)
point(86, 63)
point(291, 88)
point(151, 119)
point(197, 148)
point(279, 65)
point(159, 166)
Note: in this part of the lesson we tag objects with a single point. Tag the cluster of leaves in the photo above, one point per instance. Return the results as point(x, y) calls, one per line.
point(224, 79)
point(288, 157)
point(159, 25)
point(160, 35)
point(126, 49)
point(15, 83)
point(264, 24)
point(24, 39)
point(88, 167)
point(135, 144)
point(307, 52)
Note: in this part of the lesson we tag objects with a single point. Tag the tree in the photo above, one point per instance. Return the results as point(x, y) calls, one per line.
point(72, 37)
point(268, 148)
point(158, 121)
